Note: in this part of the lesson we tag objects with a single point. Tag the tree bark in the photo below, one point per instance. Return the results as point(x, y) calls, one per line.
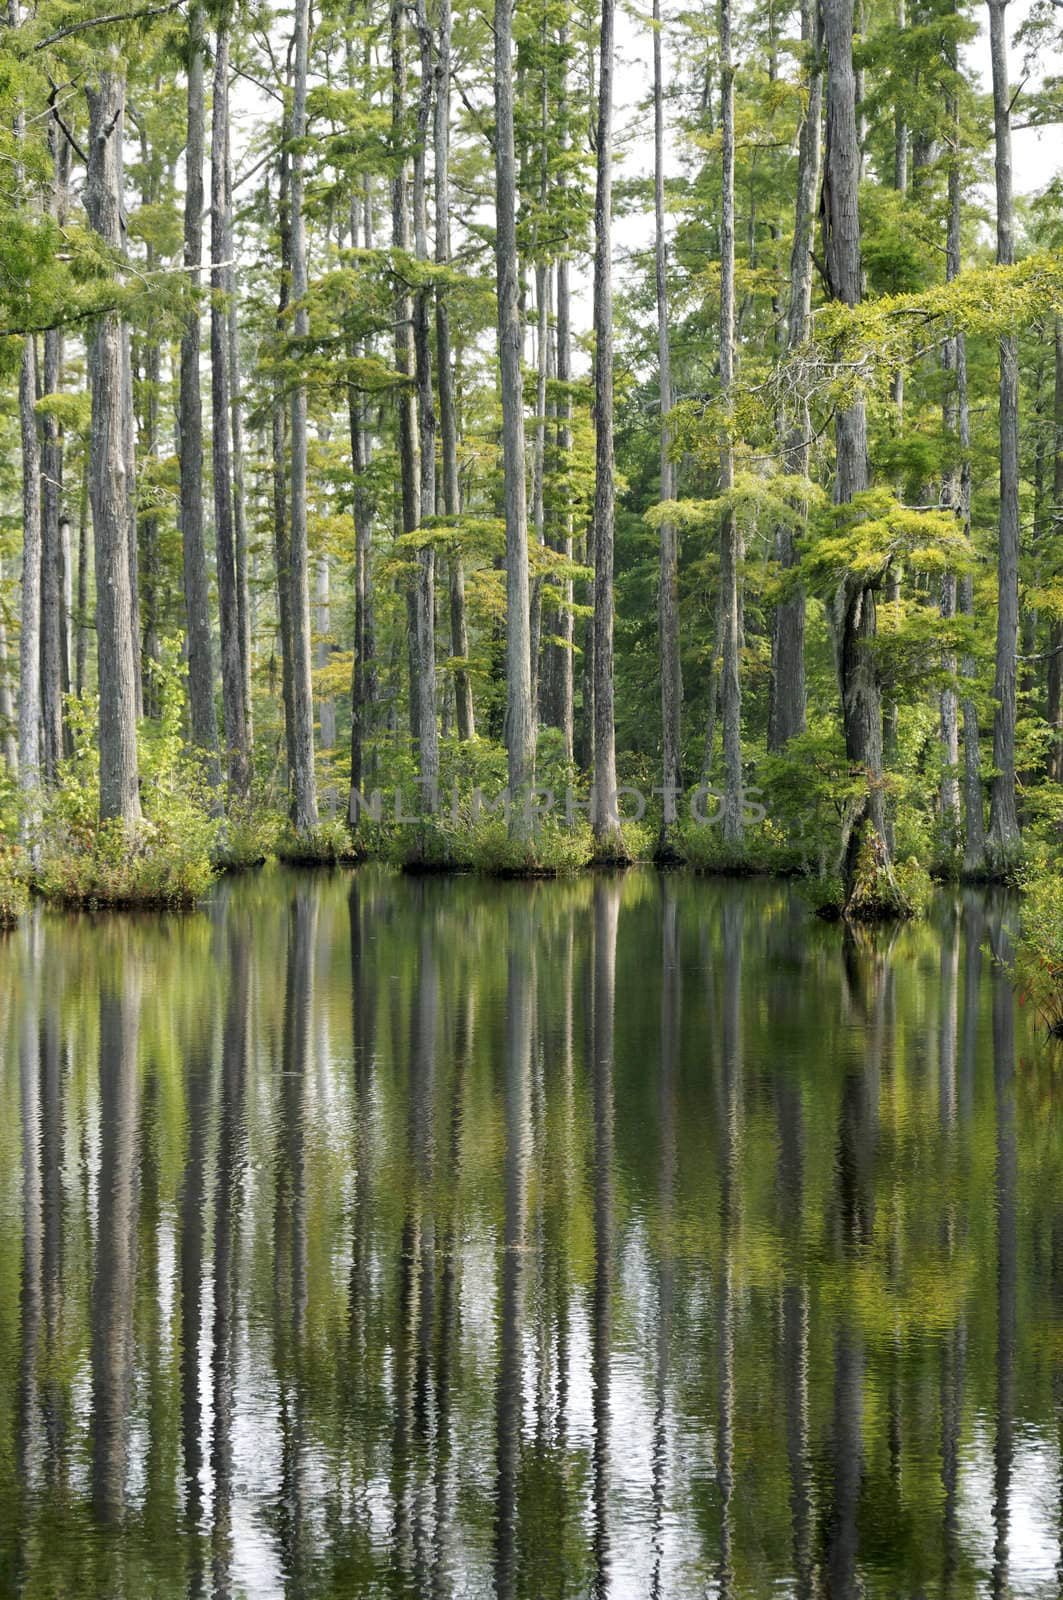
point(1055, 659)
point(520, 727)
point(730, 538)
point(233, 682)
point(279, 431)
point(604, 816)
point(82, 649)
point(560, 657)
point(1004, 840)
point(55, 678)
point(787, 704)
point(29, 653)
point(190, 430)
point(108, 483)
point(322, 602)
point(854, 601)
point(304, 785)
point(8, 724)
point(955, 491)
point(448, 421)
point(668, 581)
point(425, 597)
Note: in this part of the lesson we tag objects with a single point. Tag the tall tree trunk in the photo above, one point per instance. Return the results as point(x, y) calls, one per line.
point(561, 655)
point(668, 582)
point(279, 431)
point(730, 538)
point(1055, 659)
point(542, 362)
point(54, 670)
point(955, 495)
point(190, 429)
point(448, 419)
point(233, 685)
point(29, 653)
point(520, 727)
point(405, 357)
point(323, 606)
point(854, 602)
point(8, 725)
point(1004, 840)
point(132, 518)
point(243, 591)
point(148, 361)
point(786, 709)
point(82, 653)
point(363, 672)
point(604, 814)
point(427, 731)
point(108, 483)
point(304, 814)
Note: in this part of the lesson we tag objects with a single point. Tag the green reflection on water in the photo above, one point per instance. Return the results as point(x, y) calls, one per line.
point(631, 1236)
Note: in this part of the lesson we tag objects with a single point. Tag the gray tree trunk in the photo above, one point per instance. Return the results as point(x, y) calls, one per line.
point(605, 820)
point(787, 706)
point(323, 606)
point(561, 656)
point(279, 432)
point(203, 716)
point(538, 516)
point(425, 596)
point(520, 729)
point(448, 419)
point(730, 538)
point(8, 724)
point(233, 680)
point(243, 594)
point(29, 653)
point(363, 671)
point(854, 617)
point(955, 495)
point(55, 678)
point(1054, 707)
point(304, 785)
point(668, 582)
point(108, 481)
point(148, 359)
point(82, 651)
point(1004, 839)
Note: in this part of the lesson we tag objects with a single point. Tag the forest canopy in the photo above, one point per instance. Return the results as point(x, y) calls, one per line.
point(393, 406)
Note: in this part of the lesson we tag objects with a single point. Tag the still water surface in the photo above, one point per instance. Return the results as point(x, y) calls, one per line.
point(628, 1237)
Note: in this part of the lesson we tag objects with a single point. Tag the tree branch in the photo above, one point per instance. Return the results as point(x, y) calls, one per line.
point(103, 22)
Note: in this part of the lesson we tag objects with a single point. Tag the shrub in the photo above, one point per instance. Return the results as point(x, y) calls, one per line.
point(324, 846)
point(447, 844)
point(1037, 970)
point(881, 890)
point(154, 865)
point(14, 899)
point(763, 848)
point(824, 894)
point(247, 838)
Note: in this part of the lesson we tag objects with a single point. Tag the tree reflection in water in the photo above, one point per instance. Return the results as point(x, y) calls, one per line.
point(626, 1236)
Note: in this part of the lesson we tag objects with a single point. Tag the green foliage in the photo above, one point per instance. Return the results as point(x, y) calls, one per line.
point(1037, 969)
point(324, 846)
point(166, 860)
point(14, 898)
point(764, 848)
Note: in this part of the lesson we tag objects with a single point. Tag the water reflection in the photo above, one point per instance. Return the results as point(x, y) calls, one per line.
point(622, 1237)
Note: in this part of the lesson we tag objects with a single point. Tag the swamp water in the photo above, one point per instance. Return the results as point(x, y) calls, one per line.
point(632, 1236)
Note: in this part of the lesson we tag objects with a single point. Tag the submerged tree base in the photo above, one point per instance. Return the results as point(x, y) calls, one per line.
point(884, 891)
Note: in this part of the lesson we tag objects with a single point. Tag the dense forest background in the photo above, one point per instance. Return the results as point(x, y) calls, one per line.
point(345, 450)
